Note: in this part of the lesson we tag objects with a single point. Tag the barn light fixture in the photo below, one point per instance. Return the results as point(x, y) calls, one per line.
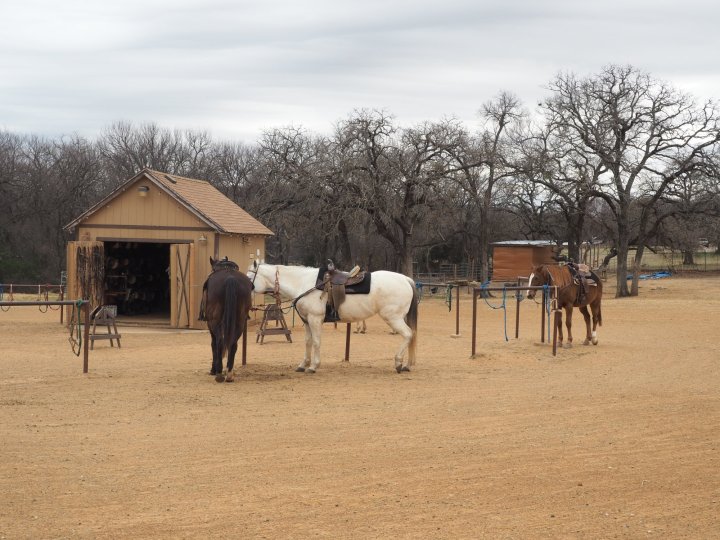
point(143, 190)
point(202, 238)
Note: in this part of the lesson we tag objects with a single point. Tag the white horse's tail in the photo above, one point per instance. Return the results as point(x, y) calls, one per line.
point(411, 319)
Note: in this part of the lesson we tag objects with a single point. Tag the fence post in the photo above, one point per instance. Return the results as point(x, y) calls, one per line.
point(86, 335)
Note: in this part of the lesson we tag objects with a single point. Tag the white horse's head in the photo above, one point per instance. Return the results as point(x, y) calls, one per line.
point(260, 277)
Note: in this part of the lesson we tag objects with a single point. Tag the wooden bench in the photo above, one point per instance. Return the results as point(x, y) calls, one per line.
point(273, 312)
point(104, 316)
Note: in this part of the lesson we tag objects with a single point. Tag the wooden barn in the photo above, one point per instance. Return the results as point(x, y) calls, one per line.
point(146, 247)
point(514, 258)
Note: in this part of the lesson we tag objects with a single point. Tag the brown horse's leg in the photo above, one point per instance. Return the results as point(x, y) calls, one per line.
point(217, 369)
point(568, 323)
point(597, 318)
point(586, 316)
point(230, 377)
point(559, 329)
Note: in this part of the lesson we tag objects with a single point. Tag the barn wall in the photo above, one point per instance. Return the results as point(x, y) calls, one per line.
point(543, 255)
point(509, 262)
point(242, 249)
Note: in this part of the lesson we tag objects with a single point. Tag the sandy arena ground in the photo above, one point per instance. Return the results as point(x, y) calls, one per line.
point(621, 440)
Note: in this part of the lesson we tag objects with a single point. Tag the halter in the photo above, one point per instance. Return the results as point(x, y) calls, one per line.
point(276, 290)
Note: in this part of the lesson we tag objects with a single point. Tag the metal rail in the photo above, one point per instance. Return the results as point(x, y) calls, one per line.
point(477, 291)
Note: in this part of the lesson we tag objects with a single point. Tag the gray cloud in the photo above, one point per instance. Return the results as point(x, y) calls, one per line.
point(236, 68)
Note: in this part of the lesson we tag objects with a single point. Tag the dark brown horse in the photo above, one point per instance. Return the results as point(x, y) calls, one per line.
point(568, 297)
point(226, 305)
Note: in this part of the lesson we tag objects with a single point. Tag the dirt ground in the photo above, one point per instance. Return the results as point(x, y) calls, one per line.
point(615, 441)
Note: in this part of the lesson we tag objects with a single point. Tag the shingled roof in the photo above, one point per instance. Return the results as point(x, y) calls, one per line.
point(199, 197)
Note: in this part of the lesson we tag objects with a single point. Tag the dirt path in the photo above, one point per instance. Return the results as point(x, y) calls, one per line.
point(618, 440)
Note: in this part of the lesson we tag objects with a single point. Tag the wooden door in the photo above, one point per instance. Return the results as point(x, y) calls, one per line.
point(182, 263)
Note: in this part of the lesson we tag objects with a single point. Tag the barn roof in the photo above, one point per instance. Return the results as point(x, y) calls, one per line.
point(528, 243)
point(198, 197)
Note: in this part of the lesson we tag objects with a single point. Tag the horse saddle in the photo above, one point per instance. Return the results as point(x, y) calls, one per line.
point(337, 284)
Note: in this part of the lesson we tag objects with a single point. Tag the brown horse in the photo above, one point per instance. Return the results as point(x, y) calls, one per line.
point(226, 305)
point(568, 297)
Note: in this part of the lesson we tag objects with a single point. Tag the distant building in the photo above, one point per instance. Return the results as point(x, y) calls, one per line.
point(514, 258)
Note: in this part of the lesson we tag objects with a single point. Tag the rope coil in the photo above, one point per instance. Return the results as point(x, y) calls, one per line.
point(74, 324)
point(485, 294)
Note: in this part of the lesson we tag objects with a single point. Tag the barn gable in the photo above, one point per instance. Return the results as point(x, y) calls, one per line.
point(154, 198)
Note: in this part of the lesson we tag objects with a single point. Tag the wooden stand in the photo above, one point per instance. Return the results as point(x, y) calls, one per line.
point(273, 312)
point(105, 316)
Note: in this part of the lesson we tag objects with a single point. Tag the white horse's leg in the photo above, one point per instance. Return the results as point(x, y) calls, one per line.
point(316, 326)
point(308, 349)
point(399, 327)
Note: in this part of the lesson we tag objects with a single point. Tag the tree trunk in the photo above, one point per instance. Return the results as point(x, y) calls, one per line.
point(622, 255)
point(484, 249)
point(637, 261)
point(576, 223)
point(688, 256)
point(344, 241)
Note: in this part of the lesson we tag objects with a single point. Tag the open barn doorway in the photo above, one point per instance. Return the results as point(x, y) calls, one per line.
point(137, 280)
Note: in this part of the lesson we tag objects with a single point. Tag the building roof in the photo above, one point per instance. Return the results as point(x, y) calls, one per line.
point(198, 197)
point(519, 243)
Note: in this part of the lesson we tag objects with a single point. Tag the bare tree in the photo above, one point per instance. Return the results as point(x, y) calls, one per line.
point(391, 175)
point(481, 164)
point(645, 133)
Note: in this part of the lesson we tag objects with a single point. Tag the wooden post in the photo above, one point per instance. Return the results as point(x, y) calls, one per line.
point(347, 342)
point(517, 314)
point(457, 312)
point(542, 320)
point(474, 321)
point(244, 343)
point(86, 335)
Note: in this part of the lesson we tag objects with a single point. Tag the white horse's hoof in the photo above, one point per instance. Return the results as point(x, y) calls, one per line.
point(595, 341)
point(299, 369)
point(405, 368)
point(310, 371)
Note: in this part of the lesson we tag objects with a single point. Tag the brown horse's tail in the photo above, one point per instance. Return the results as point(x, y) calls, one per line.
point(230, 327)
point(412, 320)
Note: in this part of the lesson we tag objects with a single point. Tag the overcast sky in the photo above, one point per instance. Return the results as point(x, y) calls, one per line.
point(236, 68)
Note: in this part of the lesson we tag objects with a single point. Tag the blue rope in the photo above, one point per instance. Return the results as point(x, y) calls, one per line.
point(502, 306)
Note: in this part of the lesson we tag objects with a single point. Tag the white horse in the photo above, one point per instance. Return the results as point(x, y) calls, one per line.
point(393, 296)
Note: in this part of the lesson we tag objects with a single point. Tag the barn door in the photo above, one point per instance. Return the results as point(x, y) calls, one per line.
point(85, 273)
point(182, 261)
